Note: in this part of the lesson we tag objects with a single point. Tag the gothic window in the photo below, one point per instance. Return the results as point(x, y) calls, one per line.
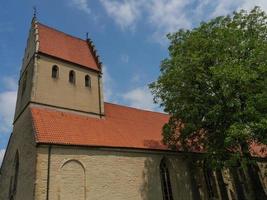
point(165, 181)
point(87, 81)
point(242, 176)
point(55, 71)
point(72, 77)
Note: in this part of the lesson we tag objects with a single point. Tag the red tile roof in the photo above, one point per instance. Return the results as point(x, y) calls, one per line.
point(58, 44)
point(121, 127)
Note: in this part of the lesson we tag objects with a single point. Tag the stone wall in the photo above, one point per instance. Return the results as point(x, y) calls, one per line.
point(21, 141)
point(59, 92)
point(120, 174)
point(112, 175)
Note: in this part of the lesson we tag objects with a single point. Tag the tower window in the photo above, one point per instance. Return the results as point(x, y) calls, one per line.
point(165, 181)
point(55, 71)
point(72, 77)
point(87, 81)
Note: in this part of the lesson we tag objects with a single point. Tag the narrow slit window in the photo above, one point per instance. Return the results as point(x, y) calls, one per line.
point(55, 71)
point(24, 82)
point(72, 77)
point(14, 179)
point(165, 181)
point(87, 81)
point(16, 166)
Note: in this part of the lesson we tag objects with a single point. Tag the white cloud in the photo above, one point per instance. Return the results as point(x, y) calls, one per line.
point(168, 16)
point(249, 4)
point(125, 13)
point(2, 153)
point(9, 83)
point(7, 108)
point(165, 16)
point(140, 98)
point(223, 7)
point(81, 5)
point(7, 104)
point(107, 84)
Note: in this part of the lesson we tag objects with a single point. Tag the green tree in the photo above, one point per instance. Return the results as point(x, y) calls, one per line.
point(214, 86)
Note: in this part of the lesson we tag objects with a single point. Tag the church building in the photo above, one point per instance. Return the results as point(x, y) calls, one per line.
point(68, 144)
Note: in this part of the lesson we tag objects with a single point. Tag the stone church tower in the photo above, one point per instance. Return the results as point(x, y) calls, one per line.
point(67, 143)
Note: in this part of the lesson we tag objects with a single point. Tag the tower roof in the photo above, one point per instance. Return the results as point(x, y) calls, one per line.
point(69, 48)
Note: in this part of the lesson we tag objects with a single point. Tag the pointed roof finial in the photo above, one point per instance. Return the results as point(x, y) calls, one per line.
point(34, 11)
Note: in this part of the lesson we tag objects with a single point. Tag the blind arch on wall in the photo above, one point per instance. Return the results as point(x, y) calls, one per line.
point(72, 181)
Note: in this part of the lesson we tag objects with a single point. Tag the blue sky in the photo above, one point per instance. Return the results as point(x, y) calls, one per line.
point(129, 36)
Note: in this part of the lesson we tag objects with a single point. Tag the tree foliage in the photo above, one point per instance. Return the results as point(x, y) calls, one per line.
point(214, 86)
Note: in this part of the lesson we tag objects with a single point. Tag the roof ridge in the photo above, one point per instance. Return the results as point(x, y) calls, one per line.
point(55, 29)
point(139, 109)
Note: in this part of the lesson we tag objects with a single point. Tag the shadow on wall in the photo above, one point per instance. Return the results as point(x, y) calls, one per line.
point(182, 180)
point(151, 187)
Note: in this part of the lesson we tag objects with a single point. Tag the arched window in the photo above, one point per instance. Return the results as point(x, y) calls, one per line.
point(87, 81)
point(55, 71)
point(165, 181)
point(72, 77)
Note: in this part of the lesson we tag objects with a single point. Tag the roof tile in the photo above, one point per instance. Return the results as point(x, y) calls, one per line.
point(122, 127)
point(66, 47)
